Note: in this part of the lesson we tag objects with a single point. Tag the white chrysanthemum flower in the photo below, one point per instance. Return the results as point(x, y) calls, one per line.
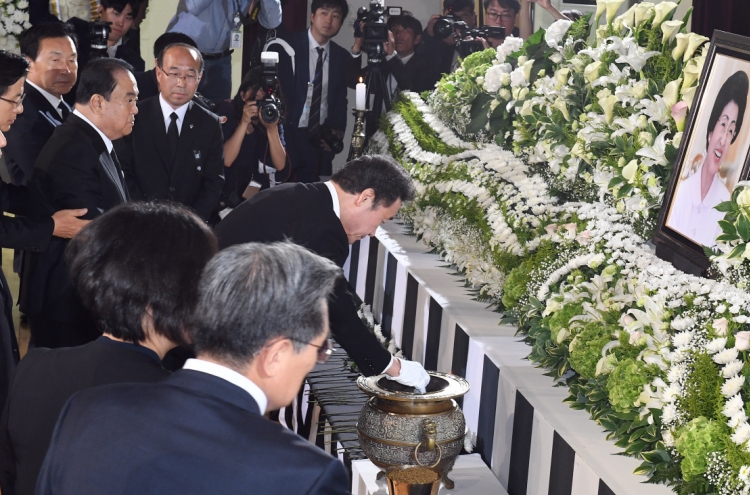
point(726, 356)
point(732, 386)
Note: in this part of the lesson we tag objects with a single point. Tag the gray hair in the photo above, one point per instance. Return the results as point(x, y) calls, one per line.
point(252, 293)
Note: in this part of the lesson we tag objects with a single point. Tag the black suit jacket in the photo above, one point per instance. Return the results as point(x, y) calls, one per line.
point(45, 380)
point(294, 85)
point(196, 177)
point(28, 135)
point(191, 433)
point(303, 213)
point(419, 74)
point(72, 171)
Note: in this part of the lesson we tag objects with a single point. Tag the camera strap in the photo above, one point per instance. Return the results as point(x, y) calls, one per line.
point(271, 39)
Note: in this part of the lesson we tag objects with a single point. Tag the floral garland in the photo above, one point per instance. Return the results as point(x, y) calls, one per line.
point(14, 19)
point(659, 358)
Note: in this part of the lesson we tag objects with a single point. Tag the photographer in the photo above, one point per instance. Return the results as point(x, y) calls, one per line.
point(408, 66)
point(119, 13)
point(253, 148)
point(503, 13)
point(442, 50)
point(315, 89)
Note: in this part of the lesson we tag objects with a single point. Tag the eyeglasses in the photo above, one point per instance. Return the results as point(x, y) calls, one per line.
point(15, 104)
point(493, 16)
point(324, 351)
point(175, 77)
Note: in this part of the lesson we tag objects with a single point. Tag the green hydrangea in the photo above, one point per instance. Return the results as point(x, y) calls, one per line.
point(477, 59)
point(694, 441)
point(561, 319)
point(626, 383)
point(586, 348)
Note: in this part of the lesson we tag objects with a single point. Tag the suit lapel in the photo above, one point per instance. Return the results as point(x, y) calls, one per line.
point(112, 171)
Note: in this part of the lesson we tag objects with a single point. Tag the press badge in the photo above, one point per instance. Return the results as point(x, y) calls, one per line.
point(308, 100)
point(235, 40)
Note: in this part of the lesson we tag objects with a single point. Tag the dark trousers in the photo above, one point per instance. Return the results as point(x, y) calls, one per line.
point(308, 161)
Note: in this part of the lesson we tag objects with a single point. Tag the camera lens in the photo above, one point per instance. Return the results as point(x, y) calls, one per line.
point(443, 28)
point(269, 112)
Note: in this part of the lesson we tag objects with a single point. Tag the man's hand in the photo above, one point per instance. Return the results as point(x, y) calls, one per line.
point(389, 46)
point(409, 373)
point(431, 23)
point(67, 223)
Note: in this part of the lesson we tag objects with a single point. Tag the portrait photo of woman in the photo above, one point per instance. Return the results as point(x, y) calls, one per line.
point(714, 160)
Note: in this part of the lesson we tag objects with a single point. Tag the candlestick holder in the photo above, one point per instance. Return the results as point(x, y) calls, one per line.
point(358, 135)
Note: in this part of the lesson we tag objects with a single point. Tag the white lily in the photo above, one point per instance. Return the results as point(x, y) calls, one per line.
point(671, 92)
point(655, 154)
point(643, 12)
point(612, 7)
point(560, 105)
point(591, 72)
point(663, 10)
point(637, 56)
point(601, 6)
point(628, 172)
point(669, 29)
point(694, 41)
point(608, 106)
point(690, 73)
point(688, 95)
point(682, 43)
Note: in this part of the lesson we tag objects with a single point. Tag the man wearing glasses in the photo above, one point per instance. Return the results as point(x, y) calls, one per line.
point(259, 328)
point(503, 13)
point(176, 150)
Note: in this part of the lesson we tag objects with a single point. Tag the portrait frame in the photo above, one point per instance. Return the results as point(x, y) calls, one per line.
point(728, 54)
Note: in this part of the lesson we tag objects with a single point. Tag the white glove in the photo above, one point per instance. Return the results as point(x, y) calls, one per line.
point(412, 375)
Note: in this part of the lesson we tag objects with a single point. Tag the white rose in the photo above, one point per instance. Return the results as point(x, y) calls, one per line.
point(742, 340)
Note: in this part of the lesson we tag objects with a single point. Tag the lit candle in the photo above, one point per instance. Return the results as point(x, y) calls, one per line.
point(361, 96)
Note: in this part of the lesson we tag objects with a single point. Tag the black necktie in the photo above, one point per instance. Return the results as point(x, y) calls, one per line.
point(314, 121)
point(172, 137)
point(63, 110)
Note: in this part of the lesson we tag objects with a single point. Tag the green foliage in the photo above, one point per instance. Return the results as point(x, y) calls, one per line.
point(516, 284)
point(626, 383)
point(424, 134)
point(702, 389)
point(586, 348)
point(693, 441)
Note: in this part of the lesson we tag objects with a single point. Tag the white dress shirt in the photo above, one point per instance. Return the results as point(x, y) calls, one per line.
point(232, 377)
point(107, 141)
point(313, 55)
point(52, 99)
point(112, 50)
point(166, 111)
point(696, 218)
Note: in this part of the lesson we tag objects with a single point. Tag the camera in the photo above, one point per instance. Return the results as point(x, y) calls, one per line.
point(99, 34)
point(466, 44)
point(270, 107)
point(327, 135)
point(371, 26)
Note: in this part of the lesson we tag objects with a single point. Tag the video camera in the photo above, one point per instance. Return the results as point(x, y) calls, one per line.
point(466, 42)
point(99, 34)
point(371, 25)
point(270, 107)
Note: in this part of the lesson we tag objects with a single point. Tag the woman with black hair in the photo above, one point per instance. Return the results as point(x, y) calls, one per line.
point(136, 269)
point(693, 212)
point(254, 151)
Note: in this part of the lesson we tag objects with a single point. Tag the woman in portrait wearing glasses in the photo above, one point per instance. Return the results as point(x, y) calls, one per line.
point(692, 213)
point(136, 268)
point(254, 150)
point(20, 232)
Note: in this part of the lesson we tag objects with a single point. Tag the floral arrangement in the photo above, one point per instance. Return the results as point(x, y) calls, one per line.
point(14, 19)
point(539, 170)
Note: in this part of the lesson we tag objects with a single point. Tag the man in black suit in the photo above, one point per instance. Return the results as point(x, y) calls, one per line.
point(77, 168)
point(51, 51)
point(259, 328)
point(326, 217)
point(408, 66)
point(315, 89)
point(176, 150)
point(136, 332)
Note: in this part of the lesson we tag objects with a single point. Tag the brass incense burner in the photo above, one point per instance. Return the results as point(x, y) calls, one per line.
point(400, 428)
